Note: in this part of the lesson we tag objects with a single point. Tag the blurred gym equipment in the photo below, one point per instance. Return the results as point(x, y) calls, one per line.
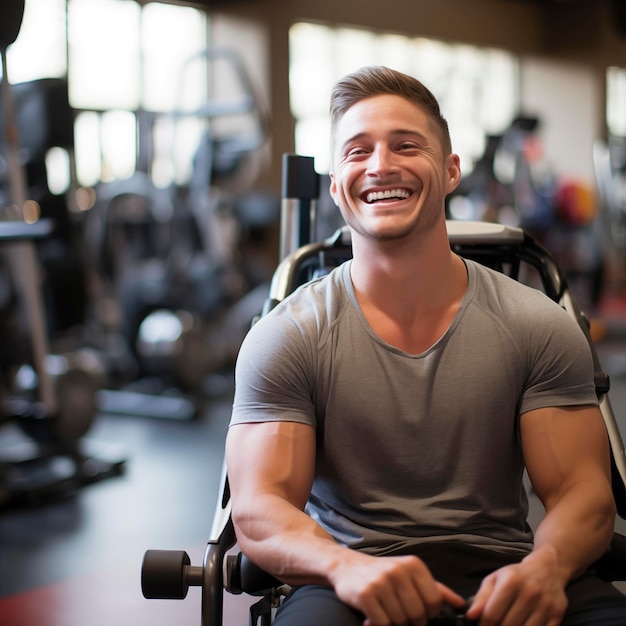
point(513, 184)
point(170, 261)
point(609, 161)
point(49, 399)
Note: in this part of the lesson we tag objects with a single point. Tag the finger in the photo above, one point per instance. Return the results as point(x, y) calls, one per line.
point(535, 613)
point(404, 606)
point(451, 597)
point(375, 615)
point(419, 594)
point(397, 603)
point(479, 601)
point(432, 607)
point(421, 597)
point(415, 606)
point(500, 602)
point(520, 612)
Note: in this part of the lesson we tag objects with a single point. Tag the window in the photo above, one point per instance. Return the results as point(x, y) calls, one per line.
point(40, 49)
point(476, 87)
point(123, 63)
point(616, 101)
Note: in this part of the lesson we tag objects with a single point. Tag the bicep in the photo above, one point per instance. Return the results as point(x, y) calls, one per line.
point(270, 458)
point(564, 446)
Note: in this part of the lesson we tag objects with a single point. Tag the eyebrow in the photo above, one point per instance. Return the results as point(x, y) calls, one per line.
point(398, 132)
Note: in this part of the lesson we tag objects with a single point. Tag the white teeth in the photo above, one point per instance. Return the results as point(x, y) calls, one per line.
point(373, 196)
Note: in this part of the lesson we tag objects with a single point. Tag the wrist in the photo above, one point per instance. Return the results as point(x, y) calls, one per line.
point(547, 557)
point(341, 559)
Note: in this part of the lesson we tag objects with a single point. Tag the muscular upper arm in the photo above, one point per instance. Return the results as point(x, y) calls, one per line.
point(270, 458)
point(564, 446)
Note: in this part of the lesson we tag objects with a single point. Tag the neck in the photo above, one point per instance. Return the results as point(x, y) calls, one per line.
point(409, 295)
point(421, 271)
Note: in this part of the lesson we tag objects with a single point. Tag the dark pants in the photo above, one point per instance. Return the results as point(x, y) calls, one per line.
point(591, 601)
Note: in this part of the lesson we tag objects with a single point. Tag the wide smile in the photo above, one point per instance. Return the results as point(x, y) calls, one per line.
point(400, 193)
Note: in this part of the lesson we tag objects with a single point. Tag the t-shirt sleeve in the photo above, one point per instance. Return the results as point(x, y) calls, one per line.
point(272, 380)
point(560, 370)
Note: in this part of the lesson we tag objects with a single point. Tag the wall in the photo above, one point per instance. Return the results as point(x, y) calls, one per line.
point(565, 97)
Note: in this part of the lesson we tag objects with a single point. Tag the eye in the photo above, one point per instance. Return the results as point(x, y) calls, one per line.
point(356, 151)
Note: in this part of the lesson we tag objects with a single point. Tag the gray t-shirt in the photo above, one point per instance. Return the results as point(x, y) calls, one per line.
point(415, 448)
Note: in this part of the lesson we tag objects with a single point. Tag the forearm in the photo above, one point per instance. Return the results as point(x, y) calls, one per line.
point(286, 542)
point(270, 473)
point(578, 526)
point(289, 544)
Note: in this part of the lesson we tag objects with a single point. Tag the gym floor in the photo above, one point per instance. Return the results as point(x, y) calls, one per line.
point(76, 561)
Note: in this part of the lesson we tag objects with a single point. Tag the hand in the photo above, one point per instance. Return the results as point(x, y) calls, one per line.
point(391, 590)
point(530, 593)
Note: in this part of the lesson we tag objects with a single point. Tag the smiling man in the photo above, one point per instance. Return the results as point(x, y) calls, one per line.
point(384, 414)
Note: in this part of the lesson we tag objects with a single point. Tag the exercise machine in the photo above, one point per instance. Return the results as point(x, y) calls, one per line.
point(49, 398)
point(170, 258)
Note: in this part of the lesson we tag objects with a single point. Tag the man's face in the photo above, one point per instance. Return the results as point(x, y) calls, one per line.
point(390, 173)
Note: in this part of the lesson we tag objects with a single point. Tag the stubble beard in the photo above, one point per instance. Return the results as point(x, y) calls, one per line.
point(424, 222)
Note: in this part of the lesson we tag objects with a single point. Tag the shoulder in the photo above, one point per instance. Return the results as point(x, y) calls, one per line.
point(534, 321)
point(303, 316)
point(523, 311)
point(509, 296)
point(277, 367)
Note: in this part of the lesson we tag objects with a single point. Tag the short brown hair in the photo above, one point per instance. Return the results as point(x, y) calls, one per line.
point(377, 81)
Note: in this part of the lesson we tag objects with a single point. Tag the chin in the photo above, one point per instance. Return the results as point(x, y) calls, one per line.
point(389, 233)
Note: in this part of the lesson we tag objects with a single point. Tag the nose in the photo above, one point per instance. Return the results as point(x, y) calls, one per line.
point(381, 161)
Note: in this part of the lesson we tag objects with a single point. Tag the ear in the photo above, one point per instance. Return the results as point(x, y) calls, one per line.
point(333, 188)
point(453, 172)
